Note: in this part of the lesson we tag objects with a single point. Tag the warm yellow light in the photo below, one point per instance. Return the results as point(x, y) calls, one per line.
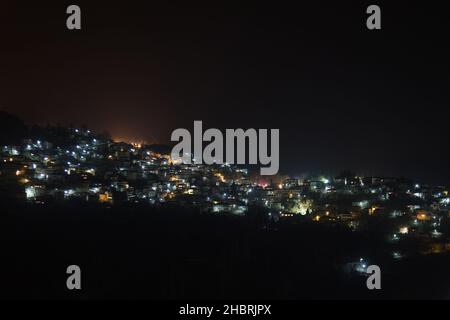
point(220, 176)
point(103, 197)
point(422, 216)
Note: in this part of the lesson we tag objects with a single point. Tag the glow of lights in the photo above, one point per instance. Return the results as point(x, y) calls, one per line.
point(30, 192)
point(220, 176)
point(404, 230)
point(422, 216)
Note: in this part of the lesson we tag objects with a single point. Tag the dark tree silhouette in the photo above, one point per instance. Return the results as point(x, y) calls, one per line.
point(12, 129)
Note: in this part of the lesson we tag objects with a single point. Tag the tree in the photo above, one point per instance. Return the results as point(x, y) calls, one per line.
point(12, 129)
point(299, 206)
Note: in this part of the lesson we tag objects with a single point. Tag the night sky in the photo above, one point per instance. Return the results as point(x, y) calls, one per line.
point(343, 97)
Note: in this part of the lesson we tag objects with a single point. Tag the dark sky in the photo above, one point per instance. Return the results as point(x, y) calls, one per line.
point(343, 97)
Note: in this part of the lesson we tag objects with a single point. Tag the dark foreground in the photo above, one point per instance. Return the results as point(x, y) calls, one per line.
point(143, 253)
